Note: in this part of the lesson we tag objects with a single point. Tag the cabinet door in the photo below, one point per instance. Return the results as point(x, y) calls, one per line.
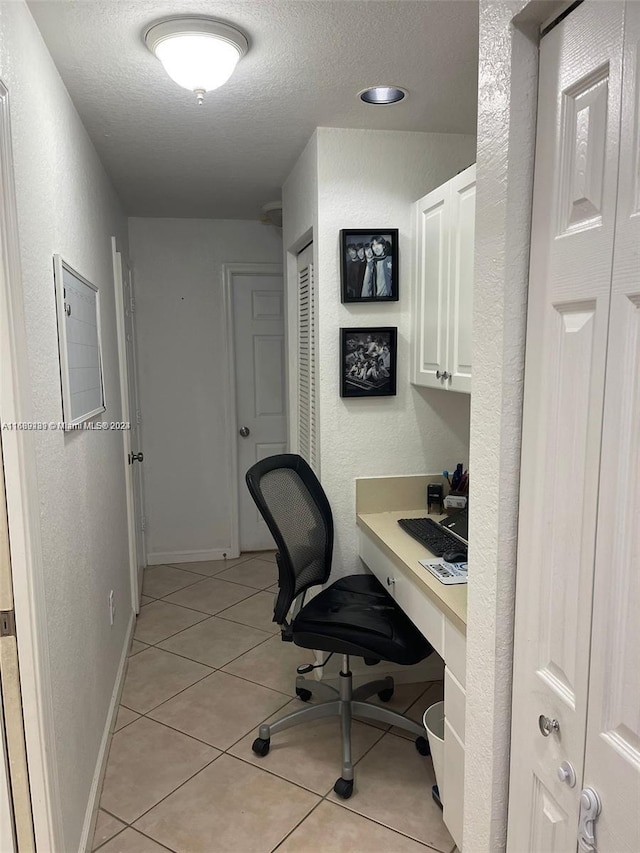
point(461, 245)
point(431, 286)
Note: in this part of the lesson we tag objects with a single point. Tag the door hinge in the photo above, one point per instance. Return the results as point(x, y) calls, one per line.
point(143, 523)
point(7, 623)
point(138, 416)
point(132, 305)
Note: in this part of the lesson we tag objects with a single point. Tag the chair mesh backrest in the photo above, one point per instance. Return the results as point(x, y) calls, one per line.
point(297, 512)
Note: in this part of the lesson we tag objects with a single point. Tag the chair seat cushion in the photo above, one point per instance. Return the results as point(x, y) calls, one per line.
point(356, 616)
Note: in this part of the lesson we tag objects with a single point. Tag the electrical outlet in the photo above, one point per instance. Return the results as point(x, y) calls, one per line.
point(112, 608)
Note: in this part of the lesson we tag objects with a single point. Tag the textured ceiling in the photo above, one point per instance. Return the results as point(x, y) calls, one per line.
point(307, 61)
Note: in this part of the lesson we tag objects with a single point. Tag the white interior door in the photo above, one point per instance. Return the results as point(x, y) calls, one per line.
point(260, 385)
point(16, 824)
point(7, 817)
point(569, 285)
point(7, 821)
point(463, 227)
point(135, 419)
point(612, 763)
point(132, 440)
point(307, 421)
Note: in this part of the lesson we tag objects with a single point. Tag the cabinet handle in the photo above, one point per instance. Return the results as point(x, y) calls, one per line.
point(391, 581)
point(443, 375)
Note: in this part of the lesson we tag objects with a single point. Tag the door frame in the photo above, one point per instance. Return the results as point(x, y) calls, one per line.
point(506, 145)
point(23, 513)
point(228, 273)
point(126, 434)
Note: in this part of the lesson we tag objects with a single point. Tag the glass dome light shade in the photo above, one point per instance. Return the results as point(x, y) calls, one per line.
point(197, 53)
point(198, 63)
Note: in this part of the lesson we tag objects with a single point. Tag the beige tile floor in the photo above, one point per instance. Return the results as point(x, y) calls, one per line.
point(206, 667)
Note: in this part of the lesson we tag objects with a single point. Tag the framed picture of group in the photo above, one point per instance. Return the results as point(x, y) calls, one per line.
point(369, 265)
point(368, 361)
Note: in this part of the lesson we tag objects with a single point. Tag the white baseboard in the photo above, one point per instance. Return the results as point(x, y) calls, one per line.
point(91, 814)
point(170, 557)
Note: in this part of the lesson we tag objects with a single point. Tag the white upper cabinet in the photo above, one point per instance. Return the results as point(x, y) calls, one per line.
point(445, 226)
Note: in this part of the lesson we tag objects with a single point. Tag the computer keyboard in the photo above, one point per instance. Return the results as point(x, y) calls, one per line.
point(435, 538)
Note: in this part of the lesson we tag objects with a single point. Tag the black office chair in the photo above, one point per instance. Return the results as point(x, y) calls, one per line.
point(353, 616)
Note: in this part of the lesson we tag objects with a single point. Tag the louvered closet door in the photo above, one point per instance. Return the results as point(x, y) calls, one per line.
point(572, 240)
point(307, 379)
point(612, 764)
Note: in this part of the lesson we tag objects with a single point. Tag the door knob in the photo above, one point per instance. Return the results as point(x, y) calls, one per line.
point(244, 431)
point(136, 457)
point(567, 774)
point(547, 725)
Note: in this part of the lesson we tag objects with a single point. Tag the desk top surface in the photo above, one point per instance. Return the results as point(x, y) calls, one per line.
point(405, 552)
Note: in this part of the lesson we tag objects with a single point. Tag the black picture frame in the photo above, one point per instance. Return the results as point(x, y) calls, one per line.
point(369, 265)
point(368, 361)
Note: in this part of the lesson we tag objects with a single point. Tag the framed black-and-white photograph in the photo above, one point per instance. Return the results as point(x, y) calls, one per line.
point(369, 265)
point(368, 362)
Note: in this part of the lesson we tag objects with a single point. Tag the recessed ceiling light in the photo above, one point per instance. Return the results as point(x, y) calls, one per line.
point(380, 95)
point(199, 54)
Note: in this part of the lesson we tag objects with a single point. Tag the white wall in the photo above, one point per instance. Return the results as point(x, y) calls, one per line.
point(506, 131)
point(369, 179)
point(66, 205)
point(182, 364)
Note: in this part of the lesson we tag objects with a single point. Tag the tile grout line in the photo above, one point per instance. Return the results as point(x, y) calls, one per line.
point(205, 616)
point(173, 791)
point(287, 699)
point(250, 649)
point(300, 822)
point(342, 803)
point(182, 690)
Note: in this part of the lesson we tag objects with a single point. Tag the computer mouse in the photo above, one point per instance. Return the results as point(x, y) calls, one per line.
point(455, 557)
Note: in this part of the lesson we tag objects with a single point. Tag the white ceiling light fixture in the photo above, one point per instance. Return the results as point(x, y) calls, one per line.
point(199, 54)
point(382, 95)
point(272, 213)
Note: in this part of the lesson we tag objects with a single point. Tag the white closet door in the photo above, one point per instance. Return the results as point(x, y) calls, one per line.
point(570, 280)
point(307, 363)
point(612, 765)
point(432, 269)
point(463, 226)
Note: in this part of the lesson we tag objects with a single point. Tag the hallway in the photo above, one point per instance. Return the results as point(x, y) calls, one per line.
point(206, 667)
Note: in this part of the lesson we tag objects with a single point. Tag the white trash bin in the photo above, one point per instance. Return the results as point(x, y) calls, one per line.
point(433, 721)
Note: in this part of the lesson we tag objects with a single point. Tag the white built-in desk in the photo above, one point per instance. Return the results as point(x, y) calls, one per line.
point(438, 611)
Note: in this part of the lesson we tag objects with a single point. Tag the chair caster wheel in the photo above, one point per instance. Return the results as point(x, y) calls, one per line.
point(386, 695)
point(422, 745)
point(261, 746)
point(344, 788)
point(303, 694)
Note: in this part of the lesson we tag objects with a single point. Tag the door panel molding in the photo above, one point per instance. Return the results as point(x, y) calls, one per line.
point(229, 271)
